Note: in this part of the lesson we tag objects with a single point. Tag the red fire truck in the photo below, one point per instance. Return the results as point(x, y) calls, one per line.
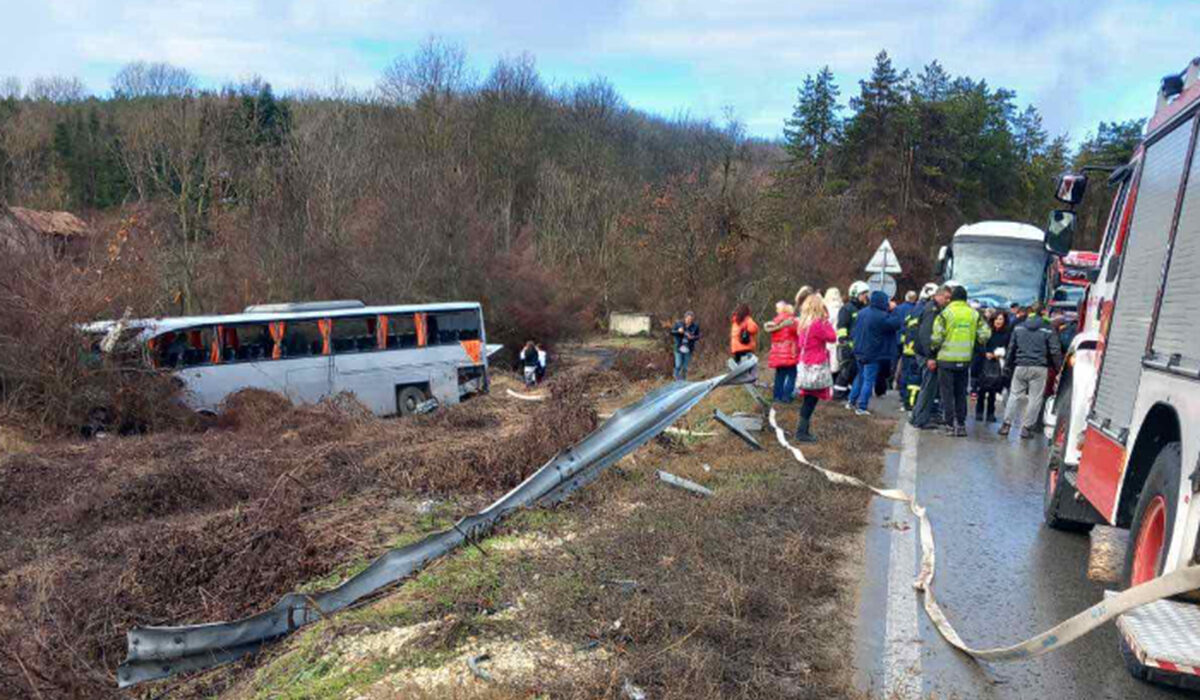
point(1125, 448)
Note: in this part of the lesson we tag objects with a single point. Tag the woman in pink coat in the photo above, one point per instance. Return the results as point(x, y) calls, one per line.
point(814, 332)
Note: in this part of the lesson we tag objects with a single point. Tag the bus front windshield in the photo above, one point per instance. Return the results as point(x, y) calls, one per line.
point(1000, 272)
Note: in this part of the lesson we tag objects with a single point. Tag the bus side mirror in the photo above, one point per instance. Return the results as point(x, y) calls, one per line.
point(1071, 187)
point(1060, 231)
point(941, 261)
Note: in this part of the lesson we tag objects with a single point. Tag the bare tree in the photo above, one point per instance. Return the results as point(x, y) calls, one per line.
point(437, 71)
point(142, 79)
point(57, 88)
point(10, 88)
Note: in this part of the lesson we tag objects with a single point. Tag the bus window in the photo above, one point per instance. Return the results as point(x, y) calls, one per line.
point(251, 342)
point(301, 339)
point(353, 334)
point(449, 327)
point(401, 331)
point(183, 348)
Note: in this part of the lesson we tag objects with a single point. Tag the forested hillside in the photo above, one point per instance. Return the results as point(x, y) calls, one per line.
point(552, 204)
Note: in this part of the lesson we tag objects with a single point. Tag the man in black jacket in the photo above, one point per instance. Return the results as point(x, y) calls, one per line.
point(685, 333)
point(922, 412)
point(859, 293)
point(1033, 349)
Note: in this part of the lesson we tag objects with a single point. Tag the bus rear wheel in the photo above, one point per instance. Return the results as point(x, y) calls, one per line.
point(1154, 519)
point(408, 399)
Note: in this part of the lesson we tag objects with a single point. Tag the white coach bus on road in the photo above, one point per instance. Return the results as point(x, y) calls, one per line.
point(392, 358)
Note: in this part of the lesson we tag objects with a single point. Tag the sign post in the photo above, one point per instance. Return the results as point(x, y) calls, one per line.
point(882, 265)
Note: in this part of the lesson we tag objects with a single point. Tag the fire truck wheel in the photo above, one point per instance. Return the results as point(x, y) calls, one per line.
point(1153, 521)
point(1058, 488)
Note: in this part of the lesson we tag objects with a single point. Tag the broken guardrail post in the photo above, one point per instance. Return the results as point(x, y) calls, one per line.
point(736, 428)
point(680, 482)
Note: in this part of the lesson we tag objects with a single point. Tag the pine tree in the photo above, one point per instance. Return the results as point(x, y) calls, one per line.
point(933, 84)
point(815, 127)
point(876, 152)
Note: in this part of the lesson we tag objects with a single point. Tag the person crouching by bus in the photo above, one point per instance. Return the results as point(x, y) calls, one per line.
point(543, 358)
point(685, 333)
point(1033, 349)
point(813, 377)
point(957, 330)
point(743, 333)
point(529, 363)
point(782, 356)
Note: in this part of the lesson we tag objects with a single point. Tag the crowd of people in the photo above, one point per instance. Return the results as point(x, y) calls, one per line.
point(934, 348)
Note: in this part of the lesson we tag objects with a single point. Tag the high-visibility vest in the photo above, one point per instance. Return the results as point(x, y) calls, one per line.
point(956, 331)
point(911, 325)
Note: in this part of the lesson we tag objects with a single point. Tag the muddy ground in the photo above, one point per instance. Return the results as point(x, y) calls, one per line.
point(744, 594)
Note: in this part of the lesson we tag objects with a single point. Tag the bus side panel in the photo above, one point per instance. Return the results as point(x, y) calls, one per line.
point(1100, 471)
point(373, 376)
point(209, 385)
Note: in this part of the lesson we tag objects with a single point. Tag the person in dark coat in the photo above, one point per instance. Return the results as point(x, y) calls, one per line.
point(992, 377)
point(923, 408)
point(686, 333)
point(1033, 349)
point(874, 344)
point(847, 368)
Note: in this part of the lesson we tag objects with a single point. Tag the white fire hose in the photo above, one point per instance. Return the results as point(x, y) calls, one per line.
point(1057, 637)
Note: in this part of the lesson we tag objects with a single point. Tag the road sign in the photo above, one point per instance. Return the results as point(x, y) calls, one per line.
point(884, 260)
point(882, 282)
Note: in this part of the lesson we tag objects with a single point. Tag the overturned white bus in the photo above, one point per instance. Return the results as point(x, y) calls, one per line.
point(392, 358)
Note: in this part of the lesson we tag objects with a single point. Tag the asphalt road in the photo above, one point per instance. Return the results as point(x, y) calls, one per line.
point(1001, 577)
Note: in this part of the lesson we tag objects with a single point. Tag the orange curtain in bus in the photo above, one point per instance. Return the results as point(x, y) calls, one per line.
point(214, 355)
point(152, 346)
point(277, 329)
point(474, 350)
point(326, 326)
point(422, 331)
point(381, 332)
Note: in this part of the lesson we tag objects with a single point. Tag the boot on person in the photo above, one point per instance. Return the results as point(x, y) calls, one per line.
point(802, 434)
point(1005, 428)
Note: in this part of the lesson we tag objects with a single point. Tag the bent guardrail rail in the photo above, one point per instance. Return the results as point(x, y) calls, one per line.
point(159, 652)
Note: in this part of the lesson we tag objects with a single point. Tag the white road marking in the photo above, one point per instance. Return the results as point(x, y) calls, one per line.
point(902, 635)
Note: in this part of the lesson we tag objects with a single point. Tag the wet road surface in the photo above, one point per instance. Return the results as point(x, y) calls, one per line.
point(1001, 577)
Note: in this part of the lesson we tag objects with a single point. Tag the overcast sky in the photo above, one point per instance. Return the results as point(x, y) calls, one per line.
point(1078, 61)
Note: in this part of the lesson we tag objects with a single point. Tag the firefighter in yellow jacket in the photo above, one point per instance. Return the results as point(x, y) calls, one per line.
point(957, 331)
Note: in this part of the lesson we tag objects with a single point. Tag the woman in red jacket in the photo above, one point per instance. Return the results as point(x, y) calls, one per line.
point(814, 332)
point(782, 357)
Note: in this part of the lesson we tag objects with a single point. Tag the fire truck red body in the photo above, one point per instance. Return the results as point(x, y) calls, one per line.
point(1126, 441)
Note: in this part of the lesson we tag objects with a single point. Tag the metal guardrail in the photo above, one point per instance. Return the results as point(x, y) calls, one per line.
point(159, 652)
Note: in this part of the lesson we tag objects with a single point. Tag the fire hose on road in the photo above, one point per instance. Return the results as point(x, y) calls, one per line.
point(1057, 637)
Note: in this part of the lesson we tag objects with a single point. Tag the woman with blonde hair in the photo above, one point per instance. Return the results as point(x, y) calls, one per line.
point(803, 294)
point(814, 379)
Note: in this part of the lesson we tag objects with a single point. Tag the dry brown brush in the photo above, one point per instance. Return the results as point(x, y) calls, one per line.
point(175, 527)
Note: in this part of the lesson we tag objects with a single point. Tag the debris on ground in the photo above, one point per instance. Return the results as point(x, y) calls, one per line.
point(681, 483)
point(737, 428)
